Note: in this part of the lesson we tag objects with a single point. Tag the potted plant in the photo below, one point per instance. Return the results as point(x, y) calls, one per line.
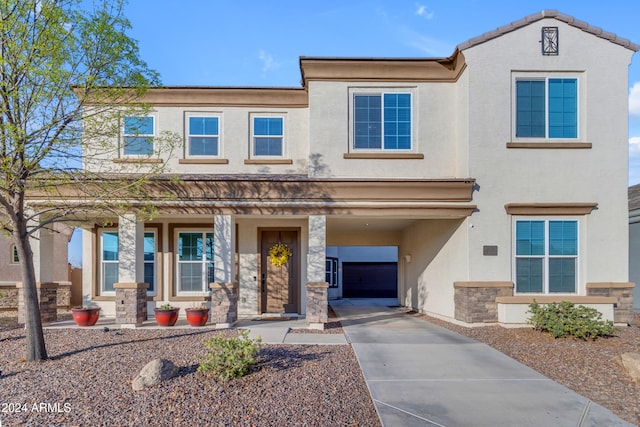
point(197, 316)
point(166, 315)
point(86, 315)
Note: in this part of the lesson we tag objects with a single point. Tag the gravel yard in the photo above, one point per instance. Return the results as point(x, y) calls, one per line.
point(88, 382)
point(88, 379)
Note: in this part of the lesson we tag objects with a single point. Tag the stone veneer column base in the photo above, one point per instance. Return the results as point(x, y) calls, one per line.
point(224, 304)
point(475, 302)
point(317, 304)
point(622, 291)
point(131, 303)
point(47, 297)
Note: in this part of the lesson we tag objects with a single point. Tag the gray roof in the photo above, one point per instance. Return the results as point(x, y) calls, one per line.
point(634, 197)
point(570, 20)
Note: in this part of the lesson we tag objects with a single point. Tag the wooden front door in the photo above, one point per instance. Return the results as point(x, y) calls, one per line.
point(279, 284)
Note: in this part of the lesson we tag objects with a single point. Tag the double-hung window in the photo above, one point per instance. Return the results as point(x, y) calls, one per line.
point(203, 135)
point(109, 260)
point(546, 108)
point(546, 256)
point(381, 121)
point(194, 261)
point(331, 271)
point(267, 136)
point(138, 135)
point(15, 258)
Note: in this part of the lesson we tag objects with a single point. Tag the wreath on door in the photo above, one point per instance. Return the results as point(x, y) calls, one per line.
point(280, 254)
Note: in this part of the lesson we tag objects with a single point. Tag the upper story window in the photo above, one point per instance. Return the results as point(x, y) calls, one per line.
point(15, 258)
point(138, 135)
point(267, 136)
point(546, 108)
point(203, 135)
point(546, 256)
point(382, 121)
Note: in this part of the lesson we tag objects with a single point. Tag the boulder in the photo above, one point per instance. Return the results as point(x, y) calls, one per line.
point(631, 363)
point(155, 372)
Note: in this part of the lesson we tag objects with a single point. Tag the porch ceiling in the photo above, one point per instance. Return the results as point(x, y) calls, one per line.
point(341, 224)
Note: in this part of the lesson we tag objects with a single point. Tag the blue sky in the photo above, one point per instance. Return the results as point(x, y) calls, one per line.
point(258, 43)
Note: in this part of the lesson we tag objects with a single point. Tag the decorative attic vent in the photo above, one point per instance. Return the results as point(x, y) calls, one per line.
point(549, 41)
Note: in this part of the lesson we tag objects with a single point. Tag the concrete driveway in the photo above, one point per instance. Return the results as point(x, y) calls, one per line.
point(420, 374)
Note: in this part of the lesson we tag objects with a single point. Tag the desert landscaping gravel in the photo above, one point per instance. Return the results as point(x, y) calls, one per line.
point(87, 382)
point(88, 379)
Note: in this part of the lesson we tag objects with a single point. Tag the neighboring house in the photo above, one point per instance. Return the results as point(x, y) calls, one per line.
point(634, 240)
point(499, 174)
point(54, 268)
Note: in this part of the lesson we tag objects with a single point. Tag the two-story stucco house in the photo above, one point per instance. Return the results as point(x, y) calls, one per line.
point(499, 173)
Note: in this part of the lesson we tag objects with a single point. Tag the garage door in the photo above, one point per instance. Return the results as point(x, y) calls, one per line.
point(369, 279)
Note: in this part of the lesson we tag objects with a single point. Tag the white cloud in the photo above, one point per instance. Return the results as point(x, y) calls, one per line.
point(268, 63)
point(422, 11)
point(634, 145)
point(634, 100)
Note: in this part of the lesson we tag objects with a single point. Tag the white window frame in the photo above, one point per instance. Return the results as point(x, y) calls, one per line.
point(205, 283)
point(101, 261)
point(187, 136)
point(381, 91)
point(125, 135)
point(153, 231)
point(545, 76)
point(546, 256)
point(252, 146)
point(15, 258)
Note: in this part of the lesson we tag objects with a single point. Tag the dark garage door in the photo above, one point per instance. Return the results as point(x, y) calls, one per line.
point(369, 279)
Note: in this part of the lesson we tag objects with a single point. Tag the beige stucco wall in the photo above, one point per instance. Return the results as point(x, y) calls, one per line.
point(438, 257)
point(434, 131)
point(507, 175)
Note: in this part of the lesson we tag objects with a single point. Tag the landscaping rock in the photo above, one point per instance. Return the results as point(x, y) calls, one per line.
point(630, 362)
point(155, 372)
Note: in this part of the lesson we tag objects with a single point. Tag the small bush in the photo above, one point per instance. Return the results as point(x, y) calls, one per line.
point(564, 319)
point(229, 357)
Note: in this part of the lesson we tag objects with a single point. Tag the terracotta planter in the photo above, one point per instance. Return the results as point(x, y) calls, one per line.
point(166, 317)
point(197, 316)
point(86, 316)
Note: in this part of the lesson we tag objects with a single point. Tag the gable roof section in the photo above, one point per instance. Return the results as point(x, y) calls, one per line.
point(634, 197)
point(570, 20)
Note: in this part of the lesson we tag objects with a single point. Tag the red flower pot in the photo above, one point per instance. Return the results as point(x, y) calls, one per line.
point(166, 317)
point(197, 316)
point(86, 316)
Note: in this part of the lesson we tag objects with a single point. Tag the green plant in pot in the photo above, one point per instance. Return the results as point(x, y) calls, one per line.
point(86, 315)
point(197, 316)
point(166, 314)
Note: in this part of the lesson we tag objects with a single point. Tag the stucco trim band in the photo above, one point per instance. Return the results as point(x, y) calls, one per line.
point(550, 145)
point(547, 299)
point(610, 285)
point(487, 284)
point(550, 208)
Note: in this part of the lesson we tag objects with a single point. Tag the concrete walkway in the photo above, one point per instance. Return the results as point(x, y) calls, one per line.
point(420, 374)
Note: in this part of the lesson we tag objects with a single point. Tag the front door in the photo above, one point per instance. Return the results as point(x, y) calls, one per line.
point(280, 284)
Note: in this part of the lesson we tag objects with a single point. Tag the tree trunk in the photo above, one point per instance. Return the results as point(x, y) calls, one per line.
point(36, 349)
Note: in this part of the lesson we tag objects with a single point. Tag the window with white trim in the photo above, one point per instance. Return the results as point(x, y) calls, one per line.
point(194, 261)
point(109, 260)
point(381, 121)
point(203, 135)
point(138, 135)
point(331, 271)
point(546, 108)
point(546, 256)
point(15, 258)
point(267, 136)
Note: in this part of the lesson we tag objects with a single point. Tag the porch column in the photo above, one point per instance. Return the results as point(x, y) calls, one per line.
point(316, 288)
point(131, 291)
point(224, 248)
point(224, 289)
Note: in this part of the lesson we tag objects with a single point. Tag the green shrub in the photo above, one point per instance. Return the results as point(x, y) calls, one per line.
point(229, 357)
point(564, 319)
